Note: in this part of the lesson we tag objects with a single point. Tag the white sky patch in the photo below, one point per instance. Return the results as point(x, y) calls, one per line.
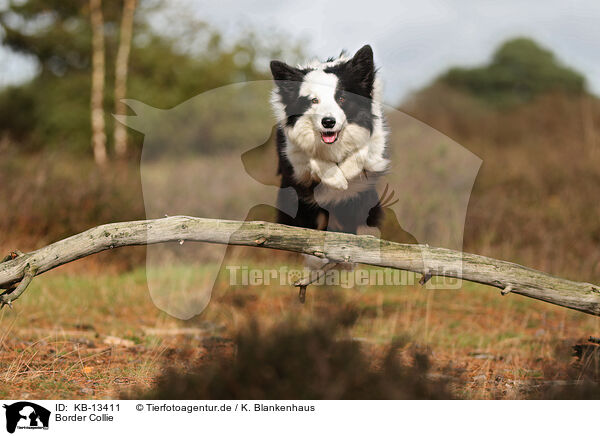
point(414, 41)
point(16, 68)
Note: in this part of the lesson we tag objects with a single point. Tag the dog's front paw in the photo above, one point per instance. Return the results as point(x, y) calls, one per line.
point(336, 181)
point(330, 174)
point(350, 170)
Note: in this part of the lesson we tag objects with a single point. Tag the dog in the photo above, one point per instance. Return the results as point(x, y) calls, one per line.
point(331, 141)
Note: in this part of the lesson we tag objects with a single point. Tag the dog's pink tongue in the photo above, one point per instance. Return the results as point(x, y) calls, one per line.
point(329, 138)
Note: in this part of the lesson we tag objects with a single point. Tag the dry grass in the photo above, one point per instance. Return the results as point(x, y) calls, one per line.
point(534, 201)
point(58, 341)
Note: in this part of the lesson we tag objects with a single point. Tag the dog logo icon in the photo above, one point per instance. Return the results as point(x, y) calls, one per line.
point(26, 415)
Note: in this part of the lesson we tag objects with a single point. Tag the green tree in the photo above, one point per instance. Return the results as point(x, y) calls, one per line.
point(52, 110)
point(519, 70)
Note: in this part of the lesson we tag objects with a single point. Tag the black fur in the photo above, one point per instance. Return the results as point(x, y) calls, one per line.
point(356, 79)
point(288, 80)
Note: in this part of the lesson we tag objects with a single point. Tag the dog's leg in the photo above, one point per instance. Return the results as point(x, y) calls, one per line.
point(354, 164)
point(376, 163)
point(329, 174)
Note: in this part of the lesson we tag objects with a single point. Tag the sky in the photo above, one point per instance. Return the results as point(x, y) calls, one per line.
point(413, 41)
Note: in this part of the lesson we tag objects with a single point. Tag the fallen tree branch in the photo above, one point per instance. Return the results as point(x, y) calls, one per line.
point(15, 291)
point(340, 247)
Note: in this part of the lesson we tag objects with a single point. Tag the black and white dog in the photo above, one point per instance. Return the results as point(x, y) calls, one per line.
point(331, 141)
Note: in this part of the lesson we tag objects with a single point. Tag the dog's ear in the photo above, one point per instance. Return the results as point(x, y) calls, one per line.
point(286, 78)
point(282, 71)
point(363, 68)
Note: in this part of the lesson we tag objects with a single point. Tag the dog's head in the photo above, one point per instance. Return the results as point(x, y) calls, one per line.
point(326, 105)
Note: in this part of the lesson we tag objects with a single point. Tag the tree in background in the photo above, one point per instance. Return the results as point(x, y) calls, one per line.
point(121, 64)
point(98, 77)
point(168, 65)
point(50, 111)
point(520, 70)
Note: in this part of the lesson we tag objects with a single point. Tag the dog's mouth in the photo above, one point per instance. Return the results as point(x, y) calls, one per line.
point(329, 137)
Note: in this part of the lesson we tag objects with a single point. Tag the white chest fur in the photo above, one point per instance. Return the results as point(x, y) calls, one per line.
point(340, 168)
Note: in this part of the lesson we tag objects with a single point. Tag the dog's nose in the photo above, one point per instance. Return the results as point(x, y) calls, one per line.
point(328, 122)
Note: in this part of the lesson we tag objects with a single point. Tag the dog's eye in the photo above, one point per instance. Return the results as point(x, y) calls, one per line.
point(341, 99)
point(315, 100)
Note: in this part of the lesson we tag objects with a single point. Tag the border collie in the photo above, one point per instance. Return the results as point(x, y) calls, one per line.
point(331, 141)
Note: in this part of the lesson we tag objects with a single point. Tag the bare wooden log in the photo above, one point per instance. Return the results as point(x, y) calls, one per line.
point(340, 247)
point(15, 291)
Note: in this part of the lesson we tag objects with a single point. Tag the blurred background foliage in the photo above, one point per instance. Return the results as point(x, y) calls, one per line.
point(519, 71)
point(53, 108)
point(526, 114)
